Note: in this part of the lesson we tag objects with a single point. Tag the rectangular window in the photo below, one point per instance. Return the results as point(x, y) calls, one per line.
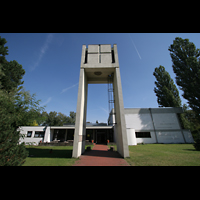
point(29, 133)
point(143, 134)
point(39, 134)
point(113, 57)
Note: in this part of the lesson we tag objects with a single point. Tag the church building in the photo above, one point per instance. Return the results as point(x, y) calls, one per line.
point(143, 125)
point(125, 126)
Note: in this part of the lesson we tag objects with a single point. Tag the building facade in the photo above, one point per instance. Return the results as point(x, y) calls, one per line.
point(126, 126)
point(155, 125)
point(143, 125)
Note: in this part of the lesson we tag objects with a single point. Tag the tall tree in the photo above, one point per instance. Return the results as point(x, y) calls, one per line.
point(17, 108)
point(166, 91)
point(186, 65)
point(3, 52)
point(11, 72)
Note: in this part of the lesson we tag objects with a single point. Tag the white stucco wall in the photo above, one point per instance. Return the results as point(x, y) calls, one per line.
point(139, 121)
point(162, 121)
point(165, 121)
point(170, 137)
point(32, 139)
point(131, 136)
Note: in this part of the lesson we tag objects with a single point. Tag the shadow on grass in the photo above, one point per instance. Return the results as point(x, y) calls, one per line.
point(190, 149)
point(49, 153)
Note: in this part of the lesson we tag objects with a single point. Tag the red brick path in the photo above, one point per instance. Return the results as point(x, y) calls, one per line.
point(100, 155)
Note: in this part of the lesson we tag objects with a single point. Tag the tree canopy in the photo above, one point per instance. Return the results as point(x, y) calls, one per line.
point(186, 65)
point(57, 119)
point(166, 91)
point(17, 108)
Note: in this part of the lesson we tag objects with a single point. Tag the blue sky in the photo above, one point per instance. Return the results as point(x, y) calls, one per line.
point(52, 65)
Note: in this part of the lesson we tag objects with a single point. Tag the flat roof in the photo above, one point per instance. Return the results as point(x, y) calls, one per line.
point(87, 127)
point(153, 110)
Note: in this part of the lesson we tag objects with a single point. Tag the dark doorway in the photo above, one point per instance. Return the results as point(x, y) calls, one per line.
point(59, 134)
point(70, 134)
point(101, 137)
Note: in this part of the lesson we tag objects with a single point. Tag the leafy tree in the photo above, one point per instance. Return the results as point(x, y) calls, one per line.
point(186, 66)
point(11, 152)
point(11, 72)
point(27, 107)
point(3, 52)
point(166, 91)
point(191, 122)
point(17, 108)
point(42, 117)
point(72, 117)
point(34, 123)
point(52, 119)
point(59, 119)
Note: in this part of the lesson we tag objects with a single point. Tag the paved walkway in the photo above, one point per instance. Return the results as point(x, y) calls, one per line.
point(100, 155)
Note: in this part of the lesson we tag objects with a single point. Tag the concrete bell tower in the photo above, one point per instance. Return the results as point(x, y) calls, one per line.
point(97, 63)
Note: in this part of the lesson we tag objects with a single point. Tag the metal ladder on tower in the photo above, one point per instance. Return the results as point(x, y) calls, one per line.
point(111, 100)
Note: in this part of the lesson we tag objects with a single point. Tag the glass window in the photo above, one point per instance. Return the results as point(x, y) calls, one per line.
point(143, 134)
point(39, 134)
point(29, 133)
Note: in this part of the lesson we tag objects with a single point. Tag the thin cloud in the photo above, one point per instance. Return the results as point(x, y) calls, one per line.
point(46, 102)
point(106, 111)
point(43, 50)
point(135, 47)
point(64, 90)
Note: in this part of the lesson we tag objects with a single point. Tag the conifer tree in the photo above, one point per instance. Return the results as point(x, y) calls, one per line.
point(11, 152)
point(186, 65)
point(17, 108)
point(166, 91)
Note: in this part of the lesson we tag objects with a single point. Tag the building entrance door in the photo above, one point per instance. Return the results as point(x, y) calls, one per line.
point(101, 138)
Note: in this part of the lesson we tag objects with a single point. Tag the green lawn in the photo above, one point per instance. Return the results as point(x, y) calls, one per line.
point(140, 155)
point(60, 156)
point(163, 155)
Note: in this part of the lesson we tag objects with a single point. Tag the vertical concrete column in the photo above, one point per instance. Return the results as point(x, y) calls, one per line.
point(120, 126)
point(51, 134)
point(65, 134)
point(47, 134)
point(107, 63)
point(81, 109)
